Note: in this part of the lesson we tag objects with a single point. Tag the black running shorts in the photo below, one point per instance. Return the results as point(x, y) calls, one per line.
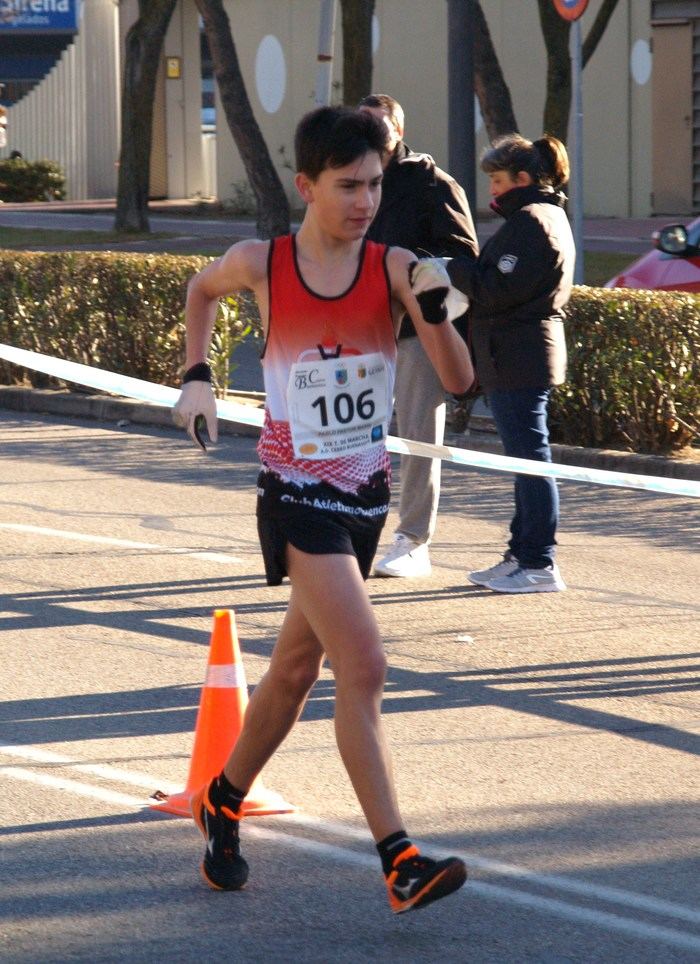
point(318, 519)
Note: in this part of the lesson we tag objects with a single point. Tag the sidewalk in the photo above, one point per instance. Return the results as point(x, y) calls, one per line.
point(204, 219)
point(124, 411)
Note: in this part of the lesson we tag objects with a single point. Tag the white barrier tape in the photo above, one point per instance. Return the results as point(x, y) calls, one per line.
point(552, 470)
point(226, 676)
point(247, 415)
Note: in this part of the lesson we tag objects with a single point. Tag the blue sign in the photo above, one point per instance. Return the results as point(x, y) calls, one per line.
point(39, 16)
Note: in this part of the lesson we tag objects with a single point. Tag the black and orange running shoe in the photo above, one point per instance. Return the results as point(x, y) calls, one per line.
point(415, 881)
point(223, 868)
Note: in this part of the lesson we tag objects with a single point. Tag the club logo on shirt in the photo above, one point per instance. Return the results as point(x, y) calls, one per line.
point(309, 378)
point(507, 263)
point(341, 376)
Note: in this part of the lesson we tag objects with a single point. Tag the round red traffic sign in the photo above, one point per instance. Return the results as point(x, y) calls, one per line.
point(570, 9)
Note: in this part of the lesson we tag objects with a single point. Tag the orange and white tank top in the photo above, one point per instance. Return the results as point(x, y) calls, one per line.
point(329, 365)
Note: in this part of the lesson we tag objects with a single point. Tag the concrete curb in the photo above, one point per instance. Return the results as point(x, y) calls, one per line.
point(108, 408)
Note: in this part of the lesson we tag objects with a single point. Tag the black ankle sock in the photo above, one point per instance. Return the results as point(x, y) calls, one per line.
point(222, 793)
point(390, 847)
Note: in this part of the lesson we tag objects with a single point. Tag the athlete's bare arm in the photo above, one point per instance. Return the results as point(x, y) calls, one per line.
point(243, 266)
point(443, 345)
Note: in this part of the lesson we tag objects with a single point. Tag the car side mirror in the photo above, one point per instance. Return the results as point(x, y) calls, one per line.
point(673, 239)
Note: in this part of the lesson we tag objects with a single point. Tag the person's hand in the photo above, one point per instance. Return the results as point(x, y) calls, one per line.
point(196, 406)
point(431, 285)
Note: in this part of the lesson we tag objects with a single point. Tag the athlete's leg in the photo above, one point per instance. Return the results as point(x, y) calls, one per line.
point(330, 591)
point(329, 608)
point(272, 711)
point(278, 699)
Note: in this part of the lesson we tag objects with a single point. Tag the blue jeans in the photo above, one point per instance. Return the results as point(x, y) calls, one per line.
point(521, 419)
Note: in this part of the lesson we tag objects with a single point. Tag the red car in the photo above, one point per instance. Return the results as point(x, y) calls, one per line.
point(674, 264)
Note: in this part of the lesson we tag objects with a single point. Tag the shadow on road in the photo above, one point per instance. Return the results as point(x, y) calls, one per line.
point(546, 690)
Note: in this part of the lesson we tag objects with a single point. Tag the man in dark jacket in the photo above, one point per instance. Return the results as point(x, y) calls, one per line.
point(425, 210)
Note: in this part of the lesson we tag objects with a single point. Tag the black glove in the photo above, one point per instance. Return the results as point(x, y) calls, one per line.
point(431, 285)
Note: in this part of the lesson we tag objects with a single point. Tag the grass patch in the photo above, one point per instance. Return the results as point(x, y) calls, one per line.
point(601, 266)
point(18, 239)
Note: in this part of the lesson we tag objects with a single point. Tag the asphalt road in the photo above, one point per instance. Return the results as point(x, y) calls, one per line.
point(552, 740)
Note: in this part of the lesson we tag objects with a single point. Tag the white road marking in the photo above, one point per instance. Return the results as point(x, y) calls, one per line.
point(559, 908)
point(71, 786)
point(206, 555)
point(612, 894)
point(115, 774)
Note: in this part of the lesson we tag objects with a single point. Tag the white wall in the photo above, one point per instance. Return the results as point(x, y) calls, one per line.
point(73, 115)
point(411, 64)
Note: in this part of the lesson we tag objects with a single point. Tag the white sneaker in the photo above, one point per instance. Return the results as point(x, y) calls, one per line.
point(529, 580)
point(405, 559)
point(482, 577)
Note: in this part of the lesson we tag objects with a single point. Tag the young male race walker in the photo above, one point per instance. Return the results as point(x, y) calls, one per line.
point(330, 303)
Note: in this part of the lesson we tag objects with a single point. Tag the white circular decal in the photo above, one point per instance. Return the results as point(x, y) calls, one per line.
point(270, 73)
point(375, 33)
point(640, 62)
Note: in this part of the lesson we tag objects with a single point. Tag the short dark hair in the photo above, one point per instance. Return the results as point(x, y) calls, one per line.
point(334, 137)
point(385, 102)
point(545, 160)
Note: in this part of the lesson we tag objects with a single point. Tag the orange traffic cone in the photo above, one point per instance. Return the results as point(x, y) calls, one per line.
point(222, 707)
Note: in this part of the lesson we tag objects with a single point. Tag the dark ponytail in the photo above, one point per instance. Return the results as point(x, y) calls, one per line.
point(554, 161)
point(545, 160)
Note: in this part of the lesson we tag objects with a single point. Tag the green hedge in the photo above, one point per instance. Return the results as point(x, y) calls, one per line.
point(634, 371)
point(634, 356)
point(22, 180)
point(122, 312)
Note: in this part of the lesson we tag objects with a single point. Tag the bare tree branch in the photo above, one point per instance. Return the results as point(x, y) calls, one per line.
point(598, 29)
point(489, 83)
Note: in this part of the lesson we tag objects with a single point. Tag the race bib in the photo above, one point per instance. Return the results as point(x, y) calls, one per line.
point(338, 406)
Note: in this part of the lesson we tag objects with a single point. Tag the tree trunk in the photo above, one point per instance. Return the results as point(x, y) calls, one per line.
point(273, 206)
point(357, 49)
point(556, 31)
point(489, 83)
point(144, 43)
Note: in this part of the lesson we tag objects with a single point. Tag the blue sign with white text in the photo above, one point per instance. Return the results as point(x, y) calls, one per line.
point(39, 16)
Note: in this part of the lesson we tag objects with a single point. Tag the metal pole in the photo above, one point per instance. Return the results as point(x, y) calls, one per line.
point(577, 169)
point(460, 85)
point(324, 69)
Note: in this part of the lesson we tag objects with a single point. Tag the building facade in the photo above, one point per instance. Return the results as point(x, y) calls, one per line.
point(641, 123)
point(59, 67)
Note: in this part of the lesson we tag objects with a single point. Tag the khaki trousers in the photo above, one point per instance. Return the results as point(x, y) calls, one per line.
point(419, 404)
